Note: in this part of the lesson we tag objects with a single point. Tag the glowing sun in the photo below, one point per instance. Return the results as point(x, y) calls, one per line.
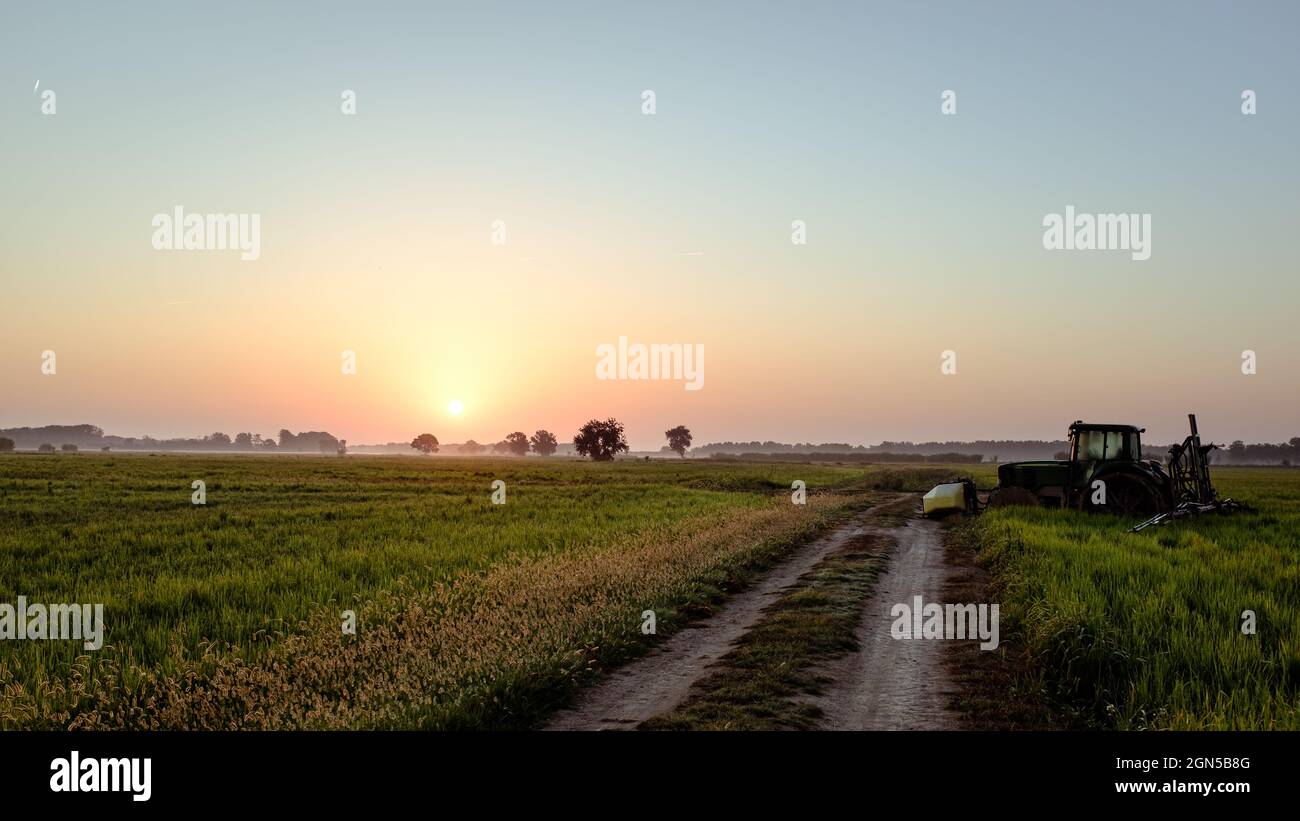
point(455, 407)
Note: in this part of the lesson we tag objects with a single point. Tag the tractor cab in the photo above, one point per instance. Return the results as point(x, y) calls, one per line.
point(1090, 443)
point(1106, 461)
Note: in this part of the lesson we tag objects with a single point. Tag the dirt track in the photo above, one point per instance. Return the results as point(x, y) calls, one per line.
point(660, 681)
point(886, 684)
point(891, 684)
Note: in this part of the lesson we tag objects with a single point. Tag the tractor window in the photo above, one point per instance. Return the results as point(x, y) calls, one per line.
point(1097, 445)
point(1114, 444)
point(1134, 446)
point(1092, 444)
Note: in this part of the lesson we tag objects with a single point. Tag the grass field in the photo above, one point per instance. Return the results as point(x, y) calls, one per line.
point(1144, 630)
point(472, 614)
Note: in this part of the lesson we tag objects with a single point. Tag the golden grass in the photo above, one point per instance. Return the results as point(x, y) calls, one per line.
point(491, 649)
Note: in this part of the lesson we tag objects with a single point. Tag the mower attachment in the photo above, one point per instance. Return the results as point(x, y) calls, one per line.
point(1193, 509)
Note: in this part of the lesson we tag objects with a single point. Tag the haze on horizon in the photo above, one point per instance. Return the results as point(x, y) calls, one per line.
point(924, 230)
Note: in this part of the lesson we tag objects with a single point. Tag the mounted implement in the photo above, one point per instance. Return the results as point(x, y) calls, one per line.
point(1192, 492)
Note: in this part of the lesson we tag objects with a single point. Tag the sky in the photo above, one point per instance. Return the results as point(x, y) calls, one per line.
point(924, 230)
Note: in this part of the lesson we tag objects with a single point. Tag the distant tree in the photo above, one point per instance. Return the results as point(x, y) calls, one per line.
point(69, 448)
point(342, 448)
point(1061, 456)
point(320, 437)
point(286, 437)
point(106, 449)
point(517, 443)
point(217, 438)
point(471, 446)
point(268, 442)
point(46, 448)
point(6, 444)
point(543, 443)
point(425, 443)
point(244, 440)
point(600, 440)
point(501, 447)
point(679, 439)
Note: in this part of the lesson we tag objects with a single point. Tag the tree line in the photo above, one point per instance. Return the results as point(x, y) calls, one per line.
point(91, 436)
point(598, 440)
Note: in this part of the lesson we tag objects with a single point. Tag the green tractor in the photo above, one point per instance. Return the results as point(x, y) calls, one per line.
point(1107, 454)
point(1106, 472)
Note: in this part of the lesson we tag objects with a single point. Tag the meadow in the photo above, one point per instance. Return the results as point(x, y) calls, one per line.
point(471, 614)
point(227, 615)
point(1145, 630)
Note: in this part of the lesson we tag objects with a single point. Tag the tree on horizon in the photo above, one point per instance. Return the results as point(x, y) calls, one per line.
point(679, 439)
point(425, 443)
point(517, 443)
point(601, 440)
point(543, 443)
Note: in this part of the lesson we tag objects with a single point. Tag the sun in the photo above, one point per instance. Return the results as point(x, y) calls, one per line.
point(455, 407)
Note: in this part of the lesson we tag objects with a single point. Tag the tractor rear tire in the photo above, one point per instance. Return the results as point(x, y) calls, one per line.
point(1012, 497)
point(1128, 495)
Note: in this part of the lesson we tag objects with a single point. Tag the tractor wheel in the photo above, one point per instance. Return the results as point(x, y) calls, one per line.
point(1129, 495)
point(1012, 497)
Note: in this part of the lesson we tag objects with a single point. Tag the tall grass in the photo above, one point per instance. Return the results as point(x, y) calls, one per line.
point(1145, 630)
point(472, 614)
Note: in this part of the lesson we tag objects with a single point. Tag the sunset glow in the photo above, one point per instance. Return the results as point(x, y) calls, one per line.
point(489, 260)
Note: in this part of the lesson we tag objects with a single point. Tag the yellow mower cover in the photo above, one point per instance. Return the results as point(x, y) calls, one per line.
point(943, 499)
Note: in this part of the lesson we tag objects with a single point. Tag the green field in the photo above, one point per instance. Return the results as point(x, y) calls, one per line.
point(228, 615)
point(1143, 630)
point(471, 614)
